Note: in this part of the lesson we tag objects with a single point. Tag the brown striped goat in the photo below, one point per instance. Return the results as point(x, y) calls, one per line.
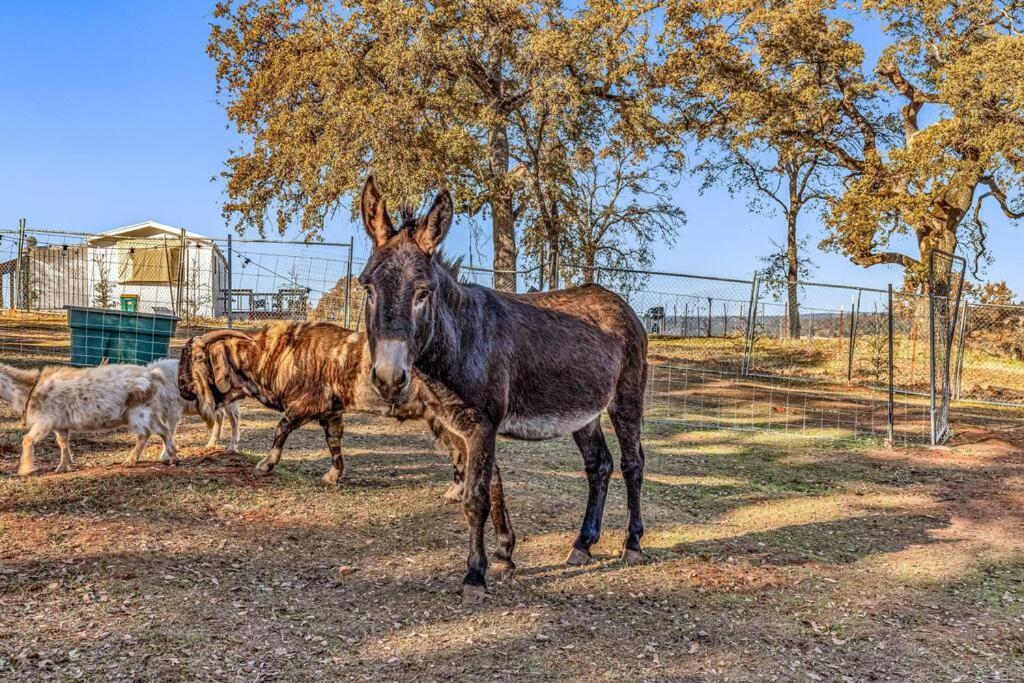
point(307, 371)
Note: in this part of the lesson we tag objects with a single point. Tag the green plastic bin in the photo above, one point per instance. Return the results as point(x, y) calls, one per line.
point(118, 336)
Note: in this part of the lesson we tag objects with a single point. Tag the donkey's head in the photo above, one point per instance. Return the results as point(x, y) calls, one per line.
point(401, 279)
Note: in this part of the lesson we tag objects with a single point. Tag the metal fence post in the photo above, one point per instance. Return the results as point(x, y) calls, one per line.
point(19, 276)
point(891, 427)
point(931, 346)
point(183, 306)
point(853, 336)
point(960, 348)
point(348, 280)
point(228, 296)
point(748, 341)
point(709, 317)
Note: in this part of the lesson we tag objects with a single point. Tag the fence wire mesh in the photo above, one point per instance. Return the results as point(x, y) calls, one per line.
point(204, 283)
point(725, 353)
point(989, 353)
point(945, 281)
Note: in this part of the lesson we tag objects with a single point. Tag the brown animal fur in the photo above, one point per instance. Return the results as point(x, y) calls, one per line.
point(307, 371)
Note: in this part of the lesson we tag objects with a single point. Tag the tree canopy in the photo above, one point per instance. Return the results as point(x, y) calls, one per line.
point(924, 139)
point(447, 94)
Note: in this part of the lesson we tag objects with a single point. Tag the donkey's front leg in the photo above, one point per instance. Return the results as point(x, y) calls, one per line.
point(477, 504)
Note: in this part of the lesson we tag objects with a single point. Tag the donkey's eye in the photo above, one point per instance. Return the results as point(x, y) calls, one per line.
point(421, 295)
point(369, 290)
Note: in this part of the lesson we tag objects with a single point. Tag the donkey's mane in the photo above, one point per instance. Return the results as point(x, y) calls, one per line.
point(409, 218)
point(451, 266)
point(411, 221)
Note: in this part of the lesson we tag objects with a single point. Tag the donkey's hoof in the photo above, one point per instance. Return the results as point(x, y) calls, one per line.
point(27, 471)
point(262, 469)
point(129, 463)
point(473, 595)
point(332, 477)
point(578, 558)
point(453, 496)
point(503, 569)
point(62, 468)
point(172, 461)
point(630, 556)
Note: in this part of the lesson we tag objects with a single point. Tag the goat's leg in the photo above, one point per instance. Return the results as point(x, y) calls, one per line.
point(140, 445)
point(453, 496)
point(284, 428)
point(37, 432)
point(64, 441)
point(234, 418)
point(169, 455)
point(214, 427)
point(333, 430)
point(446, 440)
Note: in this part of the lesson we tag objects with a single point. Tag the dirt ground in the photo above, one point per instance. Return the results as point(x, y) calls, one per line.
point(771, 557)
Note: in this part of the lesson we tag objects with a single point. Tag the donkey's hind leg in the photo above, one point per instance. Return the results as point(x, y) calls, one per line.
point(504, 536)
point(597, 460)
point(333, 430)
point(627, 416)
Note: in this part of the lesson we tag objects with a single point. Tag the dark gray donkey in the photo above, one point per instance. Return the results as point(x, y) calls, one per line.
point(530, 366)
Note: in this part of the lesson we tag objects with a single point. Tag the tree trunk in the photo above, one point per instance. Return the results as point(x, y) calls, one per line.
point(938, 236)
point(503, 225)
point(793, 262)
point(590, 260)
point(553, 265)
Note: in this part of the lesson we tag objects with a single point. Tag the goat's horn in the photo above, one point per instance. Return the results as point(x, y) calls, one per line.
point(217, 335)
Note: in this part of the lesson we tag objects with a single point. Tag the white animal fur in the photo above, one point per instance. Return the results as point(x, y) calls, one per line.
point(230, 411)
point(64, 399)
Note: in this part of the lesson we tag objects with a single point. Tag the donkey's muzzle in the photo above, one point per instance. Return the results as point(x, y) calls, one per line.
point(390, 372)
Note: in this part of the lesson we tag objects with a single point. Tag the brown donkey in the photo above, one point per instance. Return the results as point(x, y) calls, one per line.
point(531, 366)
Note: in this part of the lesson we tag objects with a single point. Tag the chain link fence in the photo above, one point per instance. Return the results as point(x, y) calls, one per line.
point(989, 355)
point(150, 270)
point(731, 353)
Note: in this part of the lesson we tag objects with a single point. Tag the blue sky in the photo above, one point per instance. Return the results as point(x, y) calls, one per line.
point(110, 117)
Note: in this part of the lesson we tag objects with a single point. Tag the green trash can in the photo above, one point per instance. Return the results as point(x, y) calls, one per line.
point(118, 336)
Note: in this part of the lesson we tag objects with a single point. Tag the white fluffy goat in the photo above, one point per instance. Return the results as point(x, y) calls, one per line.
point(63, 400)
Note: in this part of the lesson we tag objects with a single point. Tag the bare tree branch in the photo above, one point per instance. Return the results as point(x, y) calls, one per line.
point(1000, 196)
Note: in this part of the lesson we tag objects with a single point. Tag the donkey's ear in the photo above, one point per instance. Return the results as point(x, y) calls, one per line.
point(375, 214)
point(433, 227)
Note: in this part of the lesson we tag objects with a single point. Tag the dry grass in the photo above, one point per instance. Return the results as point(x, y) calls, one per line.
point(771, 557)
point(827, 359)
point(44, 337)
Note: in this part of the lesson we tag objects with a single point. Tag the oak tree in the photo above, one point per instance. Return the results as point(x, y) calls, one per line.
point(924, 138)
point(426, 95)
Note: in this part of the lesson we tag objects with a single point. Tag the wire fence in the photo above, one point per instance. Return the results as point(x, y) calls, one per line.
point(989, 355)
point(727, 353)
point(151, 271)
